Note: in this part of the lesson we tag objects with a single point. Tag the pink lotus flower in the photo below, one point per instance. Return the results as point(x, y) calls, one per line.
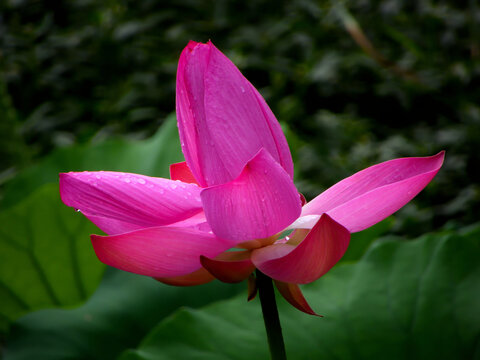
point(235, 190)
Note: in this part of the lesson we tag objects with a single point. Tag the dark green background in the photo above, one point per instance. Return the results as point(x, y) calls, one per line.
point(81, 71)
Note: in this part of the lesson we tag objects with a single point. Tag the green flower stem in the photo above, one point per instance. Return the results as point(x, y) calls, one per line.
point(270, 317)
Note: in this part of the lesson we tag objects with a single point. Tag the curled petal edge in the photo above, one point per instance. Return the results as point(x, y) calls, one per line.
point(321, 249)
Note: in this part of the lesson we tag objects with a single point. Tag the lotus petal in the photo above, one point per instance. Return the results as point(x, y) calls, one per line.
point(181, 171)
point(223, 121)
point(321, 249)
point(259, 203)
point(131, 201)
point(375, 193)
point(160, 252)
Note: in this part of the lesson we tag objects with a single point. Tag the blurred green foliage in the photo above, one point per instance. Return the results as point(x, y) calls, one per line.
point(402, 300)
point(357, 82)
point(36, 269)
point(388, 305)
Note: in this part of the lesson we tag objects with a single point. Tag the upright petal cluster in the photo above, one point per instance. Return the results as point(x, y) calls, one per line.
point(234, 190)
point(223, 120)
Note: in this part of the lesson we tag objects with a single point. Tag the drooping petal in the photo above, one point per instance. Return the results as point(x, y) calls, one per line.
point(131, 201)
point(229, 267)
point(371, 195)
point(293, 294)
point(223, 121)
point(160, 252)
point(199, 277)
point(321, 249)
point(181, 171)
point(259, 203)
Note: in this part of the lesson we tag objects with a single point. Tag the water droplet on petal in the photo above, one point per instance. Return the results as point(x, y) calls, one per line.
point(141, 181)
point(78, 210)
point(127, 180)
point(98, 176)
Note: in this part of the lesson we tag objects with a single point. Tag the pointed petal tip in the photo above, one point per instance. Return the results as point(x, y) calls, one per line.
point(191, 44)
point(293, 295)
point(370, 195)
point(65, 188)
point(441, 155)
point(212, 93)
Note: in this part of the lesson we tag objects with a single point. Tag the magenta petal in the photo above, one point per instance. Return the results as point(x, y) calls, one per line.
point(158, 251)
point(123, 202)
point(259, 203)
point(281, 144)
point(223, 121)
point(371, 195)
point(321, 249)
point(111, 226)
point(181, 171)
point(187, 116)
